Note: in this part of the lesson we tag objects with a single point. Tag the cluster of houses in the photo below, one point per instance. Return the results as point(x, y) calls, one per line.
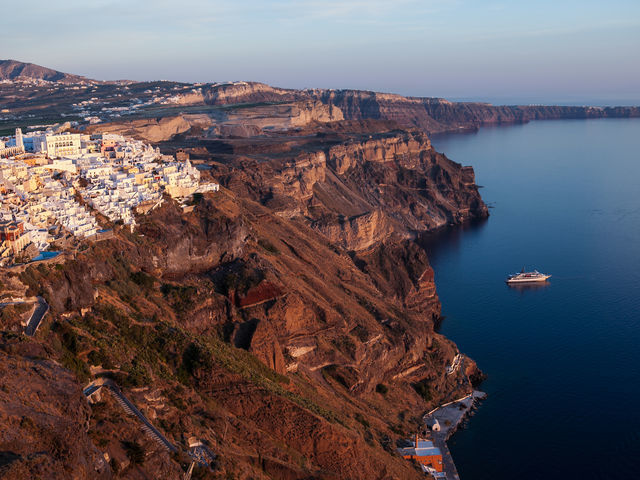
point(95, 109)
point(53, 184)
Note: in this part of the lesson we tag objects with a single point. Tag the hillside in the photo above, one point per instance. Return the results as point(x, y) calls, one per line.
point(241, 105)
point(288, 321)
point(15, 70)
point(429, 114)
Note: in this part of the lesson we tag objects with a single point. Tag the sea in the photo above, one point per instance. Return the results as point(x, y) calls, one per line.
point(562, 359)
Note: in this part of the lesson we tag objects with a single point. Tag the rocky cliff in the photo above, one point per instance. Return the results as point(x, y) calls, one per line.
point(431, 115)
point(239, 121)
point(457, 116)
point(249, 92)
point(260, 337)
point(281, 116)
point(249, 109)
point(154, 129)
point(357, 189)
point(288, 320)
point(245, 109)
point(437, 115)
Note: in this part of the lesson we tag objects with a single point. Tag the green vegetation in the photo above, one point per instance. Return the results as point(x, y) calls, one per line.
point(180, 297)
point(194, 358)
point(360, 418)
point(98, 357)
point(138, 375)
point(142, 351)
point(345, 344)
point(382, 388)
point(249, 367)
point(13, 312)
point(197, 198)
point(156, 347)
point(135, 452)
point(32, 277)
point(268, 246)
point(76, 365)
point(143, 280)
point(238, 360)
point(68, 342)
point(125, 289)
point(423, 389)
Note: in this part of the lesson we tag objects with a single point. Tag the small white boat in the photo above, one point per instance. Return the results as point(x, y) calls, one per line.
point(527, 277)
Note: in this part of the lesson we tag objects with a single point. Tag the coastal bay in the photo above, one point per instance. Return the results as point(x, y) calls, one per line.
point(562, 359)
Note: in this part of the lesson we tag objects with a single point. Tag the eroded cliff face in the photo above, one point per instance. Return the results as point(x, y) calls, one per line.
point(247, 109)
point(361, 189)
point(292, 335)
point(431, 115)
point(437, 115)
point(239, 121)
point(191, 243)
point(409, 112)
point(282, 116)
point(154, 129)
point(288, 320)
point(249, 92)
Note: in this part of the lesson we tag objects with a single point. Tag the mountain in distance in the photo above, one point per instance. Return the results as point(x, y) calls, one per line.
point(15, 70)
point(428, 114)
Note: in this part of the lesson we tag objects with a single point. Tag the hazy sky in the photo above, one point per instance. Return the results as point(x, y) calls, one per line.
point(546, 50)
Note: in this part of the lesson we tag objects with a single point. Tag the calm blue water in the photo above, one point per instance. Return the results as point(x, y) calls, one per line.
point(563, 360)
point(45, 256)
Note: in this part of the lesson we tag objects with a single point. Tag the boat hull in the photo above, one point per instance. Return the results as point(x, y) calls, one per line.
point(542, 278)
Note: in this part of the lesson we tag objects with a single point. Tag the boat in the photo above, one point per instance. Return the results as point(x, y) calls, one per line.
point(527, 277)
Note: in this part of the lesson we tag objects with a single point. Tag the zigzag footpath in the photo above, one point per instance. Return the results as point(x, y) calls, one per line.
point(131, 409)
point(199, 452)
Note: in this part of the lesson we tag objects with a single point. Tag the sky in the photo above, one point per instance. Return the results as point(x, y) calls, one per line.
point(533, 51)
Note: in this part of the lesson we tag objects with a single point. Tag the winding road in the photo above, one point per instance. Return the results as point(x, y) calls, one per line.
point(41, 309)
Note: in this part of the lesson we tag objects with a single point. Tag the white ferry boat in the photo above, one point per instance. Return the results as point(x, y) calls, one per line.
point(527, 277)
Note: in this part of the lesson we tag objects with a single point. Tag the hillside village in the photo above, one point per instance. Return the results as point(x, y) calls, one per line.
point(52, 186)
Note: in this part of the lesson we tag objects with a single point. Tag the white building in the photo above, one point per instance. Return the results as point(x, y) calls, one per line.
point(14, 146)
point(54, 145)
point(41, 192)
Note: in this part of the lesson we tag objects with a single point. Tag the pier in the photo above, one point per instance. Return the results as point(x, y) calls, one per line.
point(444, 421)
